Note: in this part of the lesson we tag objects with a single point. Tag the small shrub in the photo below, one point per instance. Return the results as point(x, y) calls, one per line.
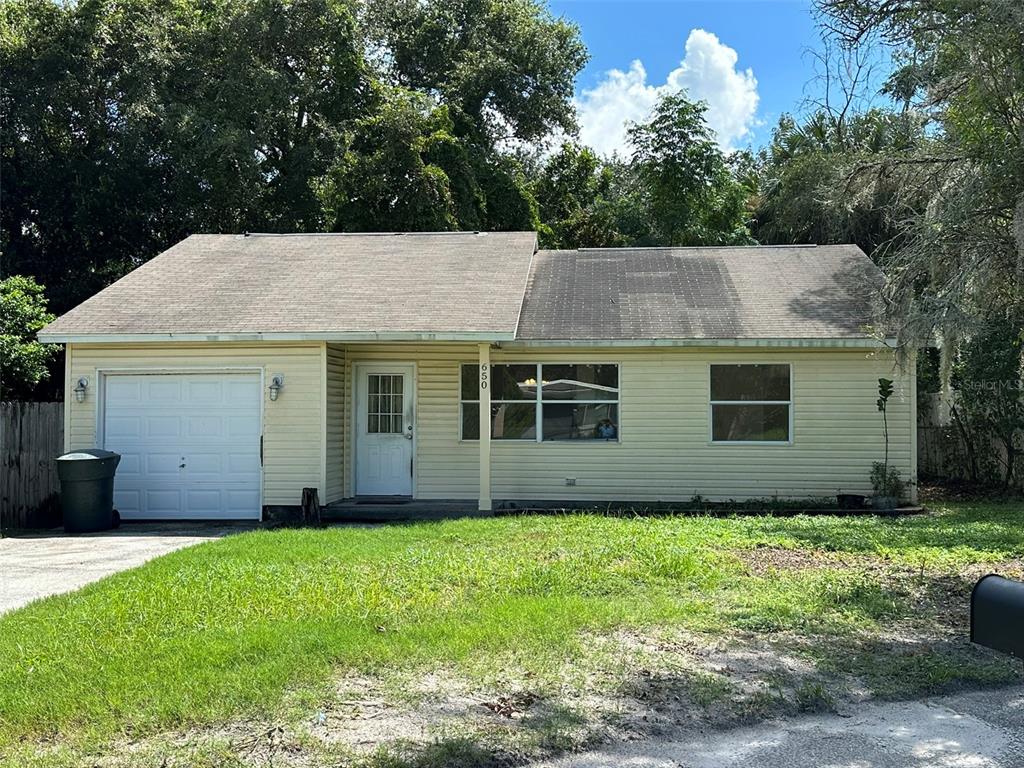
point(812, 697)
point(886, 480)
point(858, 594)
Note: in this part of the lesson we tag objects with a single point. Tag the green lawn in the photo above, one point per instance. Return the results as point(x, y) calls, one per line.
point(242, 627)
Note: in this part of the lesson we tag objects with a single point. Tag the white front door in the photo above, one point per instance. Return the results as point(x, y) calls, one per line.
point(189, 445)
point(385, 403)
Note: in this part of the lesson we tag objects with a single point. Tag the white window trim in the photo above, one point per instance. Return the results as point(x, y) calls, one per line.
point(712, 403)
point(496, 401)
point(538, 403)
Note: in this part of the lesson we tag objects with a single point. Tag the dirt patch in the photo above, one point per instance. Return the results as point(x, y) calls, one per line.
point(763, 561)
point(364, 715)
point(628, 686)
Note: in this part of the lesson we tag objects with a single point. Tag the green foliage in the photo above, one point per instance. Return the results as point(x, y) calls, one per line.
point(224, 629)
point(804, 196)
point(505, 68)
point(386, 180)
point(884, 393)
point(690, 193)
point(886, 480)
point(23, 360)
point(138, 123)
point(574, 193)
point(960, 199)
point(989, 400)
point(677, 188)
point(814, 698)
point(127, 126)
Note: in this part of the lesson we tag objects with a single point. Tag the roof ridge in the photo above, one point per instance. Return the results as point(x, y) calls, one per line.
point(704, 247)
point(358, 234)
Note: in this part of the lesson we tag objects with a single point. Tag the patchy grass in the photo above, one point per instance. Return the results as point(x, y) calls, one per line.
point(259, 628)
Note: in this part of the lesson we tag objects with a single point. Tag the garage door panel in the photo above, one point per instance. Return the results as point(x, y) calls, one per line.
point(242, 500)
point(205, 392)
point(162, 426)
point(161, 466)
point(208, 423)
point(124, 389)
point(205, 503)
point(162, 391)
point(130, 465)
point(206, 467)
point(240, 426)
point(245, 391)
point(243, 465)
point(128, 502)
point(159, 502)
point(119, 428)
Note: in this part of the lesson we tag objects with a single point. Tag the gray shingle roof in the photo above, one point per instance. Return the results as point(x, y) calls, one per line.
point(387, 284)
point(791, 292)
point(469, 285)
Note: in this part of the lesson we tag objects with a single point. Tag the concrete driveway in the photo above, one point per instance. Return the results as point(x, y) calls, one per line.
point(983, 729)
point(41, 564)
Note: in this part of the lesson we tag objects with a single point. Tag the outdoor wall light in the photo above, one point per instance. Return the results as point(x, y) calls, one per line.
point(276, 383)
point(80, 389)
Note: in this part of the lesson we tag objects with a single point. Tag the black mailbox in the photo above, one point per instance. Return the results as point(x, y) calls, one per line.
point(997, 614)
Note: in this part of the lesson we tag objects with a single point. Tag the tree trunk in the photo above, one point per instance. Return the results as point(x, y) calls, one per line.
point(972, 458)
point(1011, 461)
point(885, 430)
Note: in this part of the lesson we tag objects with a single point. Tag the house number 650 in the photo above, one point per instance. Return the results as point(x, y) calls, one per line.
point(483, 376)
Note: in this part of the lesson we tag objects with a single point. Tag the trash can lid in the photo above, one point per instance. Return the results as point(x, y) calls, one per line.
point(88, 454)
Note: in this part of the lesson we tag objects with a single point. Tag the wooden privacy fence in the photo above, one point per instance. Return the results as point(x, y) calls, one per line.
point(943, 456)
point(31, 437)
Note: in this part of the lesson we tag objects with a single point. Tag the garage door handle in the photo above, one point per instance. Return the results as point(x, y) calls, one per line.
point(182, 465)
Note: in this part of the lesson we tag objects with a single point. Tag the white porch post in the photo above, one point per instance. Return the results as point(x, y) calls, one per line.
point(485, 426)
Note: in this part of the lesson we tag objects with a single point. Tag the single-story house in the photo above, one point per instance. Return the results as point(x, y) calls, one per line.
point(232, 371)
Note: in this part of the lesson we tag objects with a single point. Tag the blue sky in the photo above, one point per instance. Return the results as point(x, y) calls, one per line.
point(747, 58)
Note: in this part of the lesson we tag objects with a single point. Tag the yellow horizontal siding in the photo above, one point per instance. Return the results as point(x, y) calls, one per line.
point(336, 422)
point(665, 453)
point(443, 468)
point(292, 425)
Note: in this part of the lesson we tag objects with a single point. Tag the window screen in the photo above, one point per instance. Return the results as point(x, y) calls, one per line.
point(750, 403)
point(545, 402)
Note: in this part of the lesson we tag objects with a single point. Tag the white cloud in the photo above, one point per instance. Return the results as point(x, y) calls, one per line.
point(707, 72)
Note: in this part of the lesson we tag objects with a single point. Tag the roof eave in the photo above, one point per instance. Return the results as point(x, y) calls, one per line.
point(507, 340)
point(848, 342)
point(58, 337)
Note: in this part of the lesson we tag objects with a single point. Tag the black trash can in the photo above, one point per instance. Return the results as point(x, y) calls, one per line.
point(87, 489)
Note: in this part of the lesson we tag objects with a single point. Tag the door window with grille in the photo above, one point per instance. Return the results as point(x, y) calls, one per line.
point(385, 403)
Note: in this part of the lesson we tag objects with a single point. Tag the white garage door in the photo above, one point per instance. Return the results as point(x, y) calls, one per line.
point(189, 445)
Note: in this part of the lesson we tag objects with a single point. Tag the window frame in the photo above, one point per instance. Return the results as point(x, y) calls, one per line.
point(538, 403)
point(390, 414)
point(788, 403)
